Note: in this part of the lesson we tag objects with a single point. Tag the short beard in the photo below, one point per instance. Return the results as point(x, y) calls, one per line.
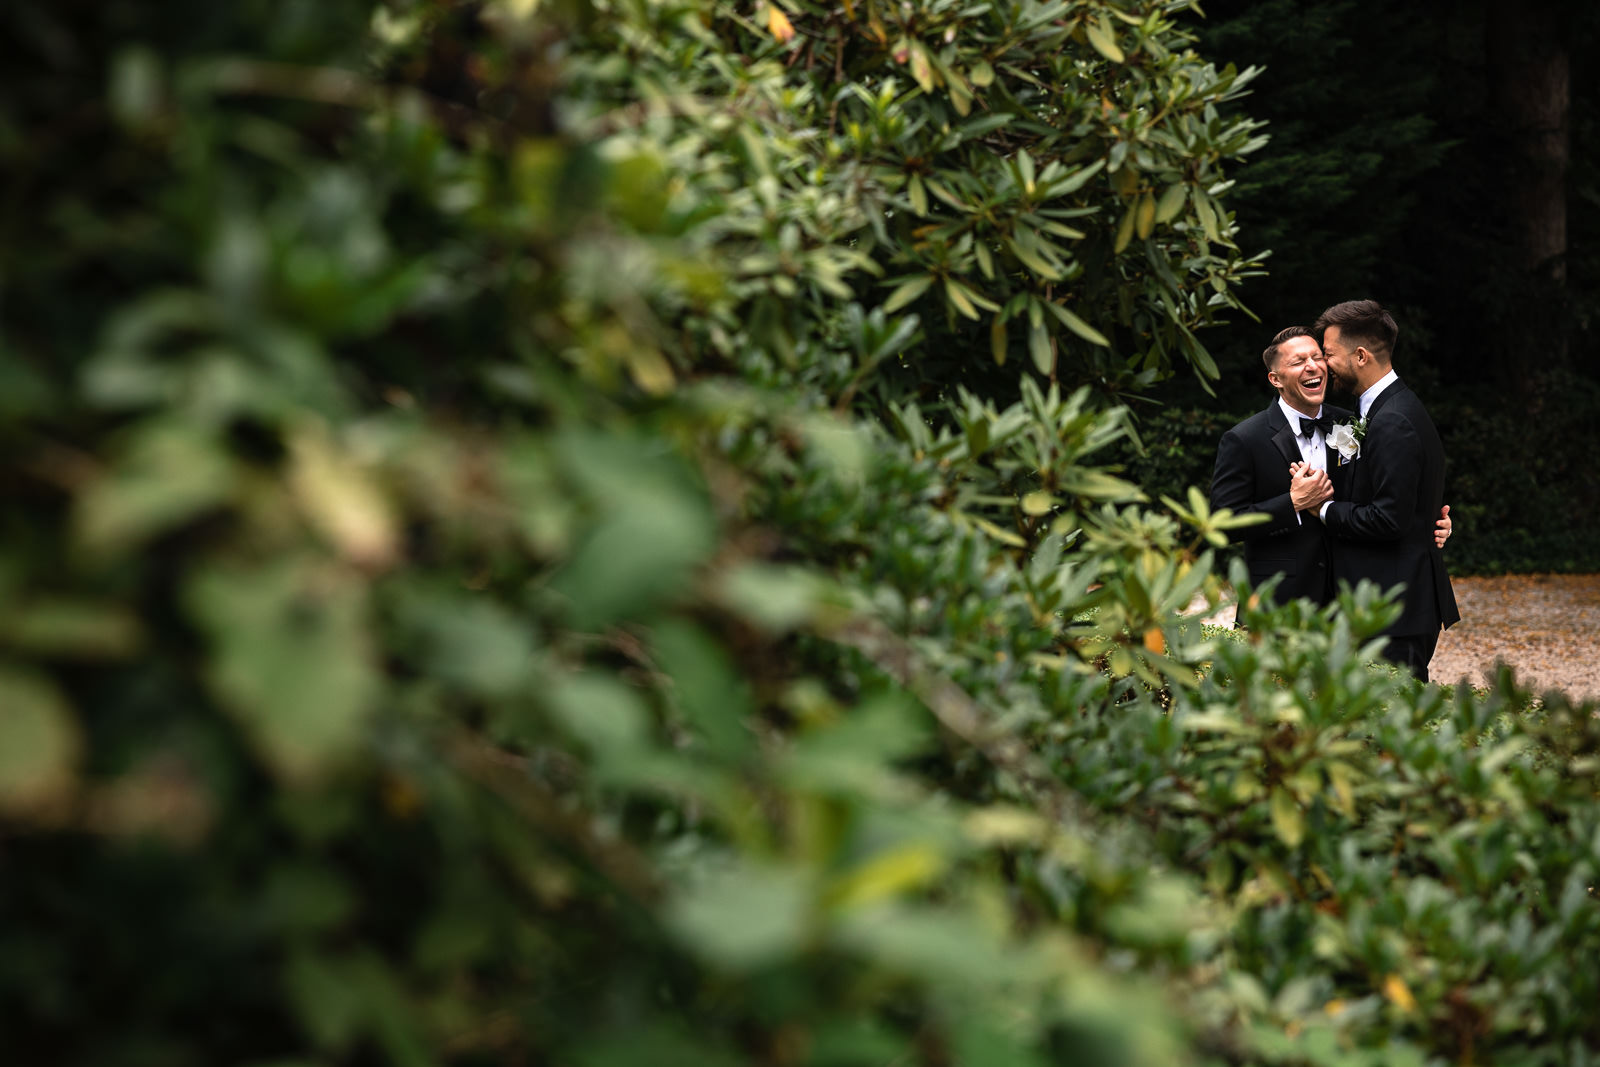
point(1337, 383)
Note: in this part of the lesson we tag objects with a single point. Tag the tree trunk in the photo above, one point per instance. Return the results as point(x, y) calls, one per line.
point(1530, 92)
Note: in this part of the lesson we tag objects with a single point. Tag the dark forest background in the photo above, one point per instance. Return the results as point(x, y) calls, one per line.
point(1438, 157)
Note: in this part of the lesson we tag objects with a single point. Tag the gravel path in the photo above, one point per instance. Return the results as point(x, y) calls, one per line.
point(1547, 626)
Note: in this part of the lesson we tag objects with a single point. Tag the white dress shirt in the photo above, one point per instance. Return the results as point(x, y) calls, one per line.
point(1373, 390)
point(1313, 449)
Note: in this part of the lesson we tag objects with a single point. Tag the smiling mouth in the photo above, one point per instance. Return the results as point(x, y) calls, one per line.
point(1311, 385)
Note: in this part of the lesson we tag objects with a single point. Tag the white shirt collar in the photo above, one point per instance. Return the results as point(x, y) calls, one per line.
point(1374, 389)
point(1294, 416)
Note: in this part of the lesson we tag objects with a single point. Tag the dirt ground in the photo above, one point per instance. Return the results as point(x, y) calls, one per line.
point(1547, 626)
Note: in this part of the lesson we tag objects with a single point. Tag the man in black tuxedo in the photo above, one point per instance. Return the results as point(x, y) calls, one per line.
point(1381, 521)
point(1253, 472)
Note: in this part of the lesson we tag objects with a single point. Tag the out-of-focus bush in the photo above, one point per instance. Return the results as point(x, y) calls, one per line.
point(487, 583)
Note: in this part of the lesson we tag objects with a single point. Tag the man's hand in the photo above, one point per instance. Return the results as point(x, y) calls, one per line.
point(1309, 487)
point(1441, 529)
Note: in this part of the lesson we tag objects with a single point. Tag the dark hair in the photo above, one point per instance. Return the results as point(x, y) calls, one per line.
point(1364, 324)
point(1270, 356)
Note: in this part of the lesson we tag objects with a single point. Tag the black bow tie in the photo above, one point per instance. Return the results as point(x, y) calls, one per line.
point(1307, 425)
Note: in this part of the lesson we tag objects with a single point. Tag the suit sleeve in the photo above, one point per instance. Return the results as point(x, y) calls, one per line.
point(1233, 486)
point(1395, 452)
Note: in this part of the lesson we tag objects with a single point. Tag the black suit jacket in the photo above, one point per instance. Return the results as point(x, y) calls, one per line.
point(1252, 476)
point(1384, 510)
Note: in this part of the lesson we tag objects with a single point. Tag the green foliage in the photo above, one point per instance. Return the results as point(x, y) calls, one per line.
point(1176, 448)
point(1029, 178)
point(1513, 478)
point(489, 586)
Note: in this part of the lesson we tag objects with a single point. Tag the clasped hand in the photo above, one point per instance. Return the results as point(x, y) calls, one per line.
point(1309, 487)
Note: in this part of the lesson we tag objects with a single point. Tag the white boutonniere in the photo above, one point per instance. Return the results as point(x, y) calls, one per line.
point(1346, 439)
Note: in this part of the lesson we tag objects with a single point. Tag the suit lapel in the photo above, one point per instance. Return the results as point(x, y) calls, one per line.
point(1384, 397)
point(1282, 435)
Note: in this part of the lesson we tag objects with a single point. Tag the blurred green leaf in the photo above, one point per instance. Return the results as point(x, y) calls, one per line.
point(941, 947)
point(71, 628)
point(1072, 322)
point(654, 528)
point(1104, 40)
point(340, 499)
point(165, 475)
point(1288, 822)
point(292, 656)
point(706, 688)
point(135, 86)
point(777, 599)
point(605, 714)
point(472, 641)
point(745, 916)
point(39, 741)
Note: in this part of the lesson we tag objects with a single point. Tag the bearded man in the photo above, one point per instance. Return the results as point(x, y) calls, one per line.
point(1390, 482)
